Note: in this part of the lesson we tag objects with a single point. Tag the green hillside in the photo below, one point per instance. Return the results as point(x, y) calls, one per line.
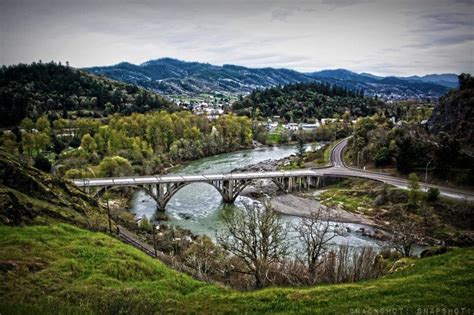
point(30, 196)
point(63, 269)
point(54, 89)
point(305, 100)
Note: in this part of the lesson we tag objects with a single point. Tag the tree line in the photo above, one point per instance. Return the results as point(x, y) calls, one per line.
point(54, 89)
point(302, 101)
point(123, 145)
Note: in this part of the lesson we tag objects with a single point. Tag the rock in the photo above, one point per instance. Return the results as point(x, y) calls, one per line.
point(185, 216)
point(380, 235)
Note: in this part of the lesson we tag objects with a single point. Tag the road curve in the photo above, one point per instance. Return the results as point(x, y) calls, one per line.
point(340, 168)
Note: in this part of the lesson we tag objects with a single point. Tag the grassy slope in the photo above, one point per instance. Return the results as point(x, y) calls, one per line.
point(64, 269)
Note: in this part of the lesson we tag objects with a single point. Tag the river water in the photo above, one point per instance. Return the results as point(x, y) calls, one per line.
point(198, 206)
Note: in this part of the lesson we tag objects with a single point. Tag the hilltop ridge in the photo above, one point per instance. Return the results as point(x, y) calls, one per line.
point(173, 76)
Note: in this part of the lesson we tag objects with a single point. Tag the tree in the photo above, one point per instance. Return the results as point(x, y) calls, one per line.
point(88, 143)
point(256, 235)
point(42, 163)
point(315, 234)
point(35, 142)
point(8, 142)
point(43, 125)
point(382, 156)
point(300, 148)
point(115, 166)
point(205, 257)
point(27, 124)
point(406, 231)
point(41, 141)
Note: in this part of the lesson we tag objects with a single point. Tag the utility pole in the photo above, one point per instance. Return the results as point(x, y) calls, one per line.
point(153, 227)
point(358, 158)
point(108, 215)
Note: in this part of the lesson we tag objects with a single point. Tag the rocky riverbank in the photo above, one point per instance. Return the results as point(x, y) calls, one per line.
point(298, 206)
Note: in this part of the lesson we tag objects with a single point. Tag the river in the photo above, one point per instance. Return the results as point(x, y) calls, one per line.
point(198, 206)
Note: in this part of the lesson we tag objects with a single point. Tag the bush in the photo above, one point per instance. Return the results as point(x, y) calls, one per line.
point(42, 163)
point(432, 194)
point(145, 224)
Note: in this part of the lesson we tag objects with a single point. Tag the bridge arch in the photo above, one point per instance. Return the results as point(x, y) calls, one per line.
point(169, 194)
point(102, 190)
point(228, 194)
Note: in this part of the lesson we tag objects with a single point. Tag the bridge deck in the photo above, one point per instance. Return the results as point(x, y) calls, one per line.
point(335, 171)
point(141, 180)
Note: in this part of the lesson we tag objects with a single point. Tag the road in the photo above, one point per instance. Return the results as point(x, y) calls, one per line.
point(338, 169)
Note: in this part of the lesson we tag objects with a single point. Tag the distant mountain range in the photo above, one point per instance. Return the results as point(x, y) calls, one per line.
point(171, 76)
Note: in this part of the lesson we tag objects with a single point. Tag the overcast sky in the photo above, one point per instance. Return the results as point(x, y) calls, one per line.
point(397, 37)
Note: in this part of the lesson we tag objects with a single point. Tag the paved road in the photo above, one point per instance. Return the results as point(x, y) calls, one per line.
point(338, 169)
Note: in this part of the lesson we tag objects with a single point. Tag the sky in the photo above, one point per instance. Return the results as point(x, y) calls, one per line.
point(397, 37)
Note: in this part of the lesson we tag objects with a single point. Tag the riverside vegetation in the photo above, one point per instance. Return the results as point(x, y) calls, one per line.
point(125, 145)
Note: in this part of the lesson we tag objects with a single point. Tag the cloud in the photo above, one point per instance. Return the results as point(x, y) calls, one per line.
point(282, 14)
point(333, 4)
point(399, 37)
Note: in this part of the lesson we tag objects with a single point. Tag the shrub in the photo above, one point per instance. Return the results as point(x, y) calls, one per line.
point(42, 163)
point(145, 224)
point(432, 194)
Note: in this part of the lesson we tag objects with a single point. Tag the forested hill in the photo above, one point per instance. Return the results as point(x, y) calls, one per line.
point(305, 100)
point(39, 88)
point(172, 76)
point(455, 114)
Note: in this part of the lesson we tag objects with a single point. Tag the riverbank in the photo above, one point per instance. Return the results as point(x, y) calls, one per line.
point(294, 205)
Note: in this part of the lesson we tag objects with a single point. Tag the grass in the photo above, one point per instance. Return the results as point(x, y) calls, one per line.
point(62, 269)
point(327, 152)
point(349, 200)
point(323, 159)
point(353, 195)
point(274, 137)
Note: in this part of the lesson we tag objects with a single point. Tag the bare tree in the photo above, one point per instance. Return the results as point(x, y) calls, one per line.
point(315, 234)
point(258, 237)
point(406, 232)
point(349, 264)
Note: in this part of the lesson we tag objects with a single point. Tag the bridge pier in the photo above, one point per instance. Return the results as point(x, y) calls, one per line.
point(228, 191)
